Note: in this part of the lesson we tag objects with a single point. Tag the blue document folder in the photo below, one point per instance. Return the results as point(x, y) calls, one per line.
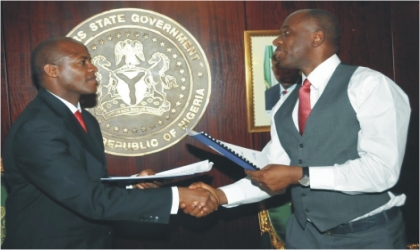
point(222, 149)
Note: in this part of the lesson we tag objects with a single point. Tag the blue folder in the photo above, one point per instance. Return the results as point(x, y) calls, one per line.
point(222, 149)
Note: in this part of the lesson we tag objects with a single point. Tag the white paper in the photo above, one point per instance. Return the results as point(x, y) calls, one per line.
point(195, 168)
point(257, 157)
point(198, 167)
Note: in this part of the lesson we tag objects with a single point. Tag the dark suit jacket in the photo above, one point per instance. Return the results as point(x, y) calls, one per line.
point(53, 170)
point(272, 96)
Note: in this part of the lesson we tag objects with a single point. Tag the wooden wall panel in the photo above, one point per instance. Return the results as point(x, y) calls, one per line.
point(5, 107)
point(371, 36)
point(405, 27)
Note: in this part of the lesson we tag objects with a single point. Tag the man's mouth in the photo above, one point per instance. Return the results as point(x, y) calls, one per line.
point(93, 79)
point(279, 53)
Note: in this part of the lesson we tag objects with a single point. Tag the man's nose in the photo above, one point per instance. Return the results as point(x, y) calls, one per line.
point(93, 68)
point(277, 41)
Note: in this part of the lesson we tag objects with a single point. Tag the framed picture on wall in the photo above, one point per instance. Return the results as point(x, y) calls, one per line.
point(259, 76)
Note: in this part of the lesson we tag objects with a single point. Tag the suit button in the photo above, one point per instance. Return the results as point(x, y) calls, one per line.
point(306, 210)
point(301, 145)
point(303, 194)
point(300, 161)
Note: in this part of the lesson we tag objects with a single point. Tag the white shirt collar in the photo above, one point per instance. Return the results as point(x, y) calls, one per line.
point(281, 88)
point(320, 76)
point(289, 89)
point(72, 108)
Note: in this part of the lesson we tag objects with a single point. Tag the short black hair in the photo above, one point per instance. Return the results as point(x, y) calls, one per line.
point(328, 23)
point(44, 53)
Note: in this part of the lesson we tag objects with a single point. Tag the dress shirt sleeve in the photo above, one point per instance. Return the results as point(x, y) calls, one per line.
point(383, 112)
point(243, 191)
point(175, 200)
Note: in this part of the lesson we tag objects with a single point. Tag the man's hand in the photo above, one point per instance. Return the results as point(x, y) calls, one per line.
point(144, 185)
point(197, 202)
point(220, 196)
point(275, 178)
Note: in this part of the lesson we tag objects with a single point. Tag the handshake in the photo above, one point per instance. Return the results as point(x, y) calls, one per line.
point(199, 199)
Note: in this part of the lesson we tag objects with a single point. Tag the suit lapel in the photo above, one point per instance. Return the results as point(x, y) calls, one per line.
point(94, 136)
point(88, 140)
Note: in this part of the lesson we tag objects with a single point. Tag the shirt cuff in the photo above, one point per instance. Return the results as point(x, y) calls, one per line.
point(243, 192)
point(175, 200)
point(234, 195)
point(322, 178)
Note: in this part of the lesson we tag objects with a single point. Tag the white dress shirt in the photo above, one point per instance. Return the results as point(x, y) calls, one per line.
point(282, 96)
point(383, 111)
point(175, 193)
point(289, 89)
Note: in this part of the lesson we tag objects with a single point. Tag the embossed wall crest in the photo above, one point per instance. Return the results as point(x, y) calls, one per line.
point(154, 79)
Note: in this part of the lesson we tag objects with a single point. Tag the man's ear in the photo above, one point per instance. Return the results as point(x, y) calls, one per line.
point(318, 38)
point(51, 70)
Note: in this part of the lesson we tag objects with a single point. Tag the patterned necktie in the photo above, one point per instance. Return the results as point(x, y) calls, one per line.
point(80, 119)
point(304, 104)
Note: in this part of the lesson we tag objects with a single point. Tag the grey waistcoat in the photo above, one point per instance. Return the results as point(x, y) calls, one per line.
point(330, 137)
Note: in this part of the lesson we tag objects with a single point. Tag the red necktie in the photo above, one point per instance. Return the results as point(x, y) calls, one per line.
point(284, 92)
point(304, 104)
point(80, 119)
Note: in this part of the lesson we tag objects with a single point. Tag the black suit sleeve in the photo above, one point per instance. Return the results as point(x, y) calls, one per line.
point(54, 160)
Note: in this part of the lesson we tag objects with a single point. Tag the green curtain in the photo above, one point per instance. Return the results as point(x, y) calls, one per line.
point(268, 53)
point(279, 209)
point(278, 217)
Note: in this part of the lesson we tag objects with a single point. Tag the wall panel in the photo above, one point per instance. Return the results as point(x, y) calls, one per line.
point(406, 68)
point(5, 112)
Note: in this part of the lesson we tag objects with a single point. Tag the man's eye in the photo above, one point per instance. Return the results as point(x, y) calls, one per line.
point(83, 62)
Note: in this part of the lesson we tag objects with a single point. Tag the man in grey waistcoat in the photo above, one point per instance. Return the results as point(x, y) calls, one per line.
point(337, 142)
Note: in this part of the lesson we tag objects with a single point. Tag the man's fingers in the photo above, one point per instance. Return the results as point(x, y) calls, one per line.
point(198, 202)
point(195, 185)
point(145, 185)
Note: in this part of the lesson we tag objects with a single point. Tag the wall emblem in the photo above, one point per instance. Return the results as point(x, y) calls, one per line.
point(154, 79)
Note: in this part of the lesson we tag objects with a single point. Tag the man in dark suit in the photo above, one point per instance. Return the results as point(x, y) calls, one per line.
point(286, 78)
point(54, 164)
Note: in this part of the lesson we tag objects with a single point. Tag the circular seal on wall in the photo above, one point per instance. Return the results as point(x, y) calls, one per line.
point(154, 79)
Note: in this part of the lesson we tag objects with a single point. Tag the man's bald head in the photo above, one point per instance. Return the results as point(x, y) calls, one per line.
point(47, 52)
point(328, 23)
